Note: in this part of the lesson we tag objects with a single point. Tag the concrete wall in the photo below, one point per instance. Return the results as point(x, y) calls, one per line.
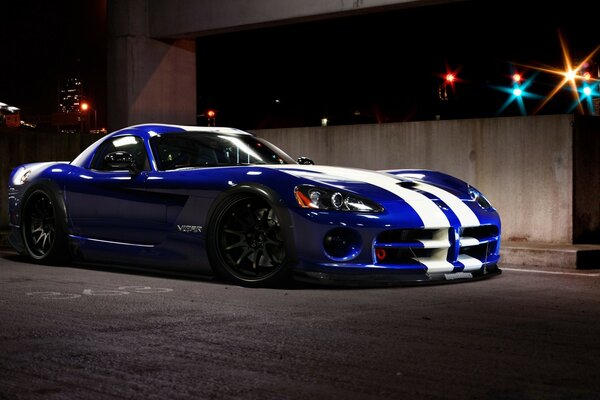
point(542, 173)
point(524, 165)
point(149, 80)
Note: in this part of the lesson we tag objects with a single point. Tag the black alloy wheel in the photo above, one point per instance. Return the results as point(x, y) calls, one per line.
point(42, 231)
point(249, 242)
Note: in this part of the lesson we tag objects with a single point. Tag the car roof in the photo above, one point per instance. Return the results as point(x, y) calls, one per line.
point(149, 130)
point(171, 128)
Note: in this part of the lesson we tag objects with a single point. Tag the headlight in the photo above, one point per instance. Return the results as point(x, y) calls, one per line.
point(21, 176)
point(327, 199)
point(480, 198)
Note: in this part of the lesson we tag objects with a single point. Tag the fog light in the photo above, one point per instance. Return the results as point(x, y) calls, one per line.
point(342, 244)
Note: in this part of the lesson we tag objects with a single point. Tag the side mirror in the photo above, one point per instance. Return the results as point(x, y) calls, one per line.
point(121, 160)
point(305, 161)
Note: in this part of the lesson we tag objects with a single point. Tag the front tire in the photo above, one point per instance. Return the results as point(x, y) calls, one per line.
point(42, 228)
point(246, 242)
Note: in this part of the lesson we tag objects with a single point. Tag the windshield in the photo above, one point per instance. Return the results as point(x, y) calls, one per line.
point(202, 149)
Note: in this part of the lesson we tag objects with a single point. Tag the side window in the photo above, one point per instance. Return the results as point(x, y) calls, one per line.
point(175, 151)
point(131, 144)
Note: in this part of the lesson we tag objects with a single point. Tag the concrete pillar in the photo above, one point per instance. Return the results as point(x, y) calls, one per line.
point(149, 80)
point(586, 179)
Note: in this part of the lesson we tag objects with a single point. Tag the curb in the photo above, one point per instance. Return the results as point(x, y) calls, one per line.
point(551, 256)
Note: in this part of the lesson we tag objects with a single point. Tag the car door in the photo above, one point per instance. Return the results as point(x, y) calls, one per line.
point(115, 204)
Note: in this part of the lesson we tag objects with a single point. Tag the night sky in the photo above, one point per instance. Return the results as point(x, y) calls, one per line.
point(45, 41)
point(382, 67)
point(387, 67)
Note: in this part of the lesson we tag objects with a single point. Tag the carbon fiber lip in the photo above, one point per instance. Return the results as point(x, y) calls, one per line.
point(380, 279)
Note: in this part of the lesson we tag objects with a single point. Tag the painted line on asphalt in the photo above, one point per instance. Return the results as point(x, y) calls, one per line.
point(537, 271)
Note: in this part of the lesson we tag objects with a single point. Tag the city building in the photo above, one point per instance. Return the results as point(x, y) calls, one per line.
point(70, 92)
point(9, 116)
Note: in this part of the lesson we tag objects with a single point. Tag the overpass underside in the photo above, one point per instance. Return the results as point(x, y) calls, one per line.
point(152, 46)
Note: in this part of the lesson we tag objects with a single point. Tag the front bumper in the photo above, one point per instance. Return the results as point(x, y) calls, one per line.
point(384, 250)
point(382, 277)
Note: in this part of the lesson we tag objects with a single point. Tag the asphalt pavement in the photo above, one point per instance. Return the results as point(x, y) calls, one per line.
point(99, 333)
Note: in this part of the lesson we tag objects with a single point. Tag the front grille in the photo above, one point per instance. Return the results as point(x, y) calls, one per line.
point(477, 245)
point(405, 257)
point(480, 252)
point(410, 247)
point(406, 235)
point(481, 233)
point(437, 249)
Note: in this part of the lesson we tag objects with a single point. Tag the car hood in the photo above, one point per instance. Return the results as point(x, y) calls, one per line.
point(356, 179)
point(427, 191)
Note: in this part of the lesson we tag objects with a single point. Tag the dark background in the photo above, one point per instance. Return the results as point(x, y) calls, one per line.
point(387, 67)
point(46, 41)
point(373, 68)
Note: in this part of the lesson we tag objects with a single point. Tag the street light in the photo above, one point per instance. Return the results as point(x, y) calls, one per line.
point(211, 117)
point(85, 107)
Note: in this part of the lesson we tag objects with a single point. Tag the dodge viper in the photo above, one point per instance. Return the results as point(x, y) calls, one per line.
point(223, 202)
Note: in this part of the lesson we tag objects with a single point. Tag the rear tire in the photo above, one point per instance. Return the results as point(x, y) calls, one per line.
point(246, 242)
point(43, 228)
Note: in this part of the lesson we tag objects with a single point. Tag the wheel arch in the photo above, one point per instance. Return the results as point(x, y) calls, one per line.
point(261, 191)
point(57, 193)
point(58, 251)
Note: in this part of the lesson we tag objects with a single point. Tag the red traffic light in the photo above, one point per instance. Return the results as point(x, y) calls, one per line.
point(517, 77)
point(84, 106)
point(211, 114)
point(450, 77)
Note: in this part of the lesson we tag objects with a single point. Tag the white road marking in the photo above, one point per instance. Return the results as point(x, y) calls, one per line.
point(145, 289)
point(90, 292)
point(95, 292)
point(537, 271)
point(54, 295)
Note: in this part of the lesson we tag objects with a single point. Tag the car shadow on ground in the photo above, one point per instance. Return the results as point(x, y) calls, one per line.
point(13, 256)
point(294, 284)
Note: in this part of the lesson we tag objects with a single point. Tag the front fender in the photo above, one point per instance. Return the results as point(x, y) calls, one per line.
point(274, 200)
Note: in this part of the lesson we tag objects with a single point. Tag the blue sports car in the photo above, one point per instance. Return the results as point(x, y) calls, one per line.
point(220, 201)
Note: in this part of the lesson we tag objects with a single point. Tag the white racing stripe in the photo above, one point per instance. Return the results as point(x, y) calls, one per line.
point(465, 215)
point(427, 210)
point(435, 243)
point(467, 241)
point(436, 265)
point(470, 263)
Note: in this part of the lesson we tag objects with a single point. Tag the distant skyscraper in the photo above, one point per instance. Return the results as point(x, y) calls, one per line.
point(70, 93)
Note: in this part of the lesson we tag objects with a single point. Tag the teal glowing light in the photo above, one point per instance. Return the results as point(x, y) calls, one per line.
point(585, 97)
point(517, 92)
